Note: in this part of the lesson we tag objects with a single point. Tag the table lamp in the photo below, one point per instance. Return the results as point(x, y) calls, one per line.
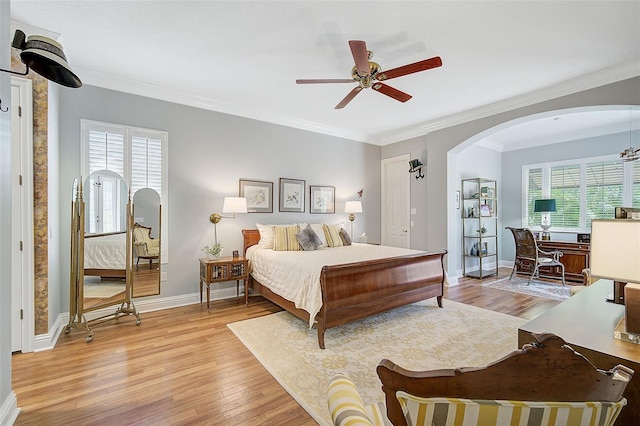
point(545, 206)
point(352, 207)
point(615, 255)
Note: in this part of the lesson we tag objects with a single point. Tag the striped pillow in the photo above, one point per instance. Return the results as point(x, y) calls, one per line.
point(440, 411)
point(284, 238)
point(345, 404)
point(332, 234)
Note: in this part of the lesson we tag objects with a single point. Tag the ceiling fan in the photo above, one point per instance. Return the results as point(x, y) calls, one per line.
point(369, 74)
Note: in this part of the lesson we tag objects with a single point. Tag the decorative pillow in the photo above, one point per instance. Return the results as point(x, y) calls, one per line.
point(332, 234)
point(344, 236)
point(284, 238)
point(317, 228)
point(266, 235)
point(308, 239)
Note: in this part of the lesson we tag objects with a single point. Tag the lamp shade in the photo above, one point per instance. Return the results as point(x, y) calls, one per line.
point(544, 205)
point(353, 207)
point(234, 205)
point(615, 249)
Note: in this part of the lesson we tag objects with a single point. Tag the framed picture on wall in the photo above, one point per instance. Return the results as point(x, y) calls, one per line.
point(291, 195)
point(259, 195)
point(322, 199)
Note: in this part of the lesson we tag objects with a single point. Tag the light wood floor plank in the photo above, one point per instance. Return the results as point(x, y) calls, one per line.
point(183, 366)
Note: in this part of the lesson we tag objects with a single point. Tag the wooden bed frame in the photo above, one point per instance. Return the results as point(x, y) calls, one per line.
point(358, 290)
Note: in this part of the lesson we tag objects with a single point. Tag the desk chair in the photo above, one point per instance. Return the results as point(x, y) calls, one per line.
point(528, 253)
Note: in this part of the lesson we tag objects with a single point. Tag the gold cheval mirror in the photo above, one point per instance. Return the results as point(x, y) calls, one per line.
point(101, 251)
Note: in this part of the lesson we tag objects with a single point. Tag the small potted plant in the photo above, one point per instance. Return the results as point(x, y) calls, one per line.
point(214, 251)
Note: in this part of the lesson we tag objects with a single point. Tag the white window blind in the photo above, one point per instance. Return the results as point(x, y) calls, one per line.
point(146, 163)
point(106, 151)
point(584, 189)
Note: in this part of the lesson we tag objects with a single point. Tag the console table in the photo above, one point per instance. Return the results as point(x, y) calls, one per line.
point(586, 322)
point(575, 258)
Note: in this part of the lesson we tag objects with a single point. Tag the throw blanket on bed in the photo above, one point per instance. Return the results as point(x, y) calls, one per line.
point(295, 275)
point(105, 252)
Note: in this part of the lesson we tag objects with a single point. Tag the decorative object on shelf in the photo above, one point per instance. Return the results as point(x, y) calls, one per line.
point(322, 199)
point(415, 166)
point(352, 207)
point(631, 153)
point(615, 244)
point(236, 253)
point(259, 195)
point(485, 210)
point(292, 195)
point(482, 230)
point(214, 251)
point(230, 205)
point(545, 206)
point(44, 56)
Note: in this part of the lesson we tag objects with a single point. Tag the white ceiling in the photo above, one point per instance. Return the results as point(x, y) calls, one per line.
point(243, 57)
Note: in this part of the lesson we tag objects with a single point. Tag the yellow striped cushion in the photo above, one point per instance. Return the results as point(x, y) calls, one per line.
point(444, 411)
point(332, 234)
point(284, 238)
point(345, 405)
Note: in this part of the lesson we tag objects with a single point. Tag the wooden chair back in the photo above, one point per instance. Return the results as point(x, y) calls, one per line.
point(526, 246)
point(545, 370)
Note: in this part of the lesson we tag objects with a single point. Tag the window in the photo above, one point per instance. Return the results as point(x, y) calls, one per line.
point(138, 155)
point(584, 189)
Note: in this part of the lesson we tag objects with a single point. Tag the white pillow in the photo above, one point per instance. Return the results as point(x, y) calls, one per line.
point(317, 228)
point(266, 235)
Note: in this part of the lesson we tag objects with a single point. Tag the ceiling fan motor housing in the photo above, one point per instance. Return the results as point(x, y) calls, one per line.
point(366, 81)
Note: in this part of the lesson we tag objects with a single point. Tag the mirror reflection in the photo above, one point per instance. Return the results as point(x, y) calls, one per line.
point(105, 241)
point(146, 243)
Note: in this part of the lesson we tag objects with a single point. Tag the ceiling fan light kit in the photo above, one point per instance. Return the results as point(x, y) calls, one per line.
point(369, 74)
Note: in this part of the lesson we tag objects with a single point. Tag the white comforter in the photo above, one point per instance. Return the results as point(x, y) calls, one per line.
point(295, 275)
point(105, 252)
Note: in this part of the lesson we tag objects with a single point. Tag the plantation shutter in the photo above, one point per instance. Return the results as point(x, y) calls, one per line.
point(534, 192)
point(604, 189)
point(106, 151)
point(565, 188)
point(146, 163)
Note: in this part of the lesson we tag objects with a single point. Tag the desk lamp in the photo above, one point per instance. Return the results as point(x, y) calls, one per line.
point(545, 206)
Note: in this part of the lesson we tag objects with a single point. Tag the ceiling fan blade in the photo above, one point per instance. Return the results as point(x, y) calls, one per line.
point(352, 94)
point(325, 80)
point(391, 92)
point(410, 69)
point(360, 56)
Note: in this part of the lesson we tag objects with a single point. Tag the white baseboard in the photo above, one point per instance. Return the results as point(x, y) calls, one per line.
point(48, 341)
point(9, 410)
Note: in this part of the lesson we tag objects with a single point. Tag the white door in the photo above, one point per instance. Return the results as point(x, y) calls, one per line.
point(21, 216)
point(16, 221)
point(396, 185)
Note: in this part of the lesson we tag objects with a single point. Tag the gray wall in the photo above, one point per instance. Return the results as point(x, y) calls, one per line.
point(208, 153)
point(437, 227)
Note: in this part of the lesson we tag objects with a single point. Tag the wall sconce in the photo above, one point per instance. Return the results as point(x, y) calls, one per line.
point(352, 207)
point(230, 205)
point(545, 207)
point(44, 56)
point(416, 166)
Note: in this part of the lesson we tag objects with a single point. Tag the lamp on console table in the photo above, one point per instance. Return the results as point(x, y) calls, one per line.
point(615, 255)
point(545, 207)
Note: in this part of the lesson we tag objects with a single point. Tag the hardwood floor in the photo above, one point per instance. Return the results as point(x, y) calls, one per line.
point(183, 366)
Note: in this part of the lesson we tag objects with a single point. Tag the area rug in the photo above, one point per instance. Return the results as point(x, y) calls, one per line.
point(537, 288)
point(102, 290)
point(420, 336)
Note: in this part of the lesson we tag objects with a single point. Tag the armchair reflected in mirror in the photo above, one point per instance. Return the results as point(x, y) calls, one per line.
point(146, 243)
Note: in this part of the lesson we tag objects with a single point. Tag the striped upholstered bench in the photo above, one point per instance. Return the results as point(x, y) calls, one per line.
point(544, 383)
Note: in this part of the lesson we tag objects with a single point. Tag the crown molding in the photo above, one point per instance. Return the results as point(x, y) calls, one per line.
point(585, 82)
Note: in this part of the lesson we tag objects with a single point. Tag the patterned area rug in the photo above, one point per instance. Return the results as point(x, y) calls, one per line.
point(537, 288)
point(418, 337)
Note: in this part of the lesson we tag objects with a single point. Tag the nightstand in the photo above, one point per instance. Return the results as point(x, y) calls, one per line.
point(220, 270)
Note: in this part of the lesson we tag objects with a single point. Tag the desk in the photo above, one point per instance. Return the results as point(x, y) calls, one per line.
point(586, 322)
point(575, 258)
